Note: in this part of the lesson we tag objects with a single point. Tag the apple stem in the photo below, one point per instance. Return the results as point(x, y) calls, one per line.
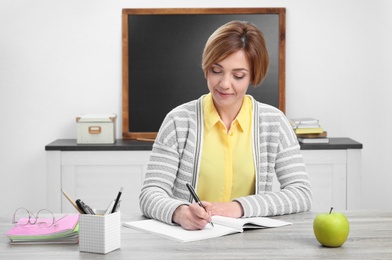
point(331, 210)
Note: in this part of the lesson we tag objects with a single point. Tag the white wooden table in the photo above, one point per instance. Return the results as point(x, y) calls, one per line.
point(370, 238)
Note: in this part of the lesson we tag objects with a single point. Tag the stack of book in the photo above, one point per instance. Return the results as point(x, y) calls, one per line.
point(309, 130)
point(66, 231)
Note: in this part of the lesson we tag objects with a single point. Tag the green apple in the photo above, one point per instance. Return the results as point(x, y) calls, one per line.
point(331, 229)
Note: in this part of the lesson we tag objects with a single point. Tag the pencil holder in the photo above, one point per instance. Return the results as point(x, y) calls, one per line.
point(99, 233)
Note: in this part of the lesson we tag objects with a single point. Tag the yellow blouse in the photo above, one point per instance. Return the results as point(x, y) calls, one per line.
point(227, 168)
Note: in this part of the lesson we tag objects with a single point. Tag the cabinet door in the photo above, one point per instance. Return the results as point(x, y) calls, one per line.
point(328, 177)
point(96, 178)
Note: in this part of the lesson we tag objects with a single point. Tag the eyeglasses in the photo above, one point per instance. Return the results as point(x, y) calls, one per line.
point(44, 218)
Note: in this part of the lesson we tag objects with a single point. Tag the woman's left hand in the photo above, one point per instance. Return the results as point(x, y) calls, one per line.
point(227, 209)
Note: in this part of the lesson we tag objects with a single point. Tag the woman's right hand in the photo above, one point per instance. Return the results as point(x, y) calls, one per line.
point(192, 217)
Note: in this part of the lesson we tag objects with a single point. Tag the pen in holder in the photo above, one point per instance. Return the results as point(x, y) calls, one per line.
point(100, 233)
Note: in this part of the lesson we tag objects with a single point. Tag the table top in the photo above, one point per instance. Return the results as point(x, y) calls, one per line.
point(370, 238)
point(335, 143)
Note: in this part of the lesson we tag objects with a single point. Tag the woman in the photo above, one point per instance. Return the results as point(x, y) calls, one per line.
point(226, 144)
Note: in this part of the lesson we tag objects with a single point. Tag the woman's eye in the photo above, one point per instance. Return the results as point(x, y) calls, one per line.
point(216, 70)
point(239, 76)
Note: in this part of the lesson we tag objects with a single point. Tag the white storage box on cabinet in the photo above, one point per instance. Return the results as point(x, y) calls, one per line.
point(96, 129)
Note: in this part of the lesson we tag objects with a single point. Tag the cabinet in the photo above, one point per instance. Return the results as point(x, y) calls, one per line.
point(335, 178)
point(95, 173)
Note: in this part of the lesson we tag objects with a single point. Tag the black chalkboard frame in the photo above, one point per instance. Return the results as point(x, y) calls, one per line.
point(128, 123)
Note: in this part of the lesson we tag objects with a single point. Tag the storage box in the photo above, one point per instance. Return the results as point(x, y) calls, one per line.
point(99, 233)
point(96, 129)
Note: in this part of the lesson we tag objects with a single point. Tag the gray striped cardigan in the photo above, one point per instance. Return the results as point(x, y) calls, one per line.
point(175, 161)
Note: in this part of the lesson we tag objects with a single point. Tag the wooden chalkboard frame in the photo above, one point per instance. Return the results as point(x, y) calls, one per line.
point(127, 132)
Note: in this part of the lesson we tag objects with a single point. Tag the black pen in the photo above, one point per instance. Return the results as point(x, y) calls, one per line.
point(85, 208)
point(117, 200)
point(196, 198)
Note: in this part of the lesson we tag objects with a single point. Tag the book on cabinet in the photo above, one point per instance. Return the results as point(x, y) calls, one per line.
point(309, 130)
point(320, 140)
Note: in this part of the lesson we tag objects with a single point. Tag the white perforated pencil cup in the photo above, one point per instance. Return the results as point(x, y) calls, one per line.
point(99, 233)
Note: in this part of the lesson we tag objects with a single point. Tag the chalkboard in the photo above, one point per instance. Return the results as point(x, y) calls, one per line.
point(162, 50)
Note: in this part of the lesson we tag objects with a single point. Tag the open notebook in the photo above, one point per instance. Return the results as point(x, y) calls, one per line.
point(222, 226)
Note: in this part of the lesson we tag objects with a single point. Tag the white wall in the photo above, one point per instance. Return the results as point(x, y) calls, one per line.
point(62, 58)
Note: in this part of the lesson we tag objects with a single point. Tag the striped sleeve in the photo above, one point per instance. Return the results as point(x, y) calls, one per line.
point(278, 155)
point(168, 166)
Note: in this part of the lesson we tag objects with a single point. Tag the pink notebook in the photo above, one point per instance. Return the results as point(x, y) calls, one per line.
point(66, 224)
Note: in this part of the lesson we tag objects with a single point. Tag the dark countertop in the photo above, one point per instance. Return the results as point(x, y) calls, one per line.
point(119, 145)
point(335, 143)
point(340, 143)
